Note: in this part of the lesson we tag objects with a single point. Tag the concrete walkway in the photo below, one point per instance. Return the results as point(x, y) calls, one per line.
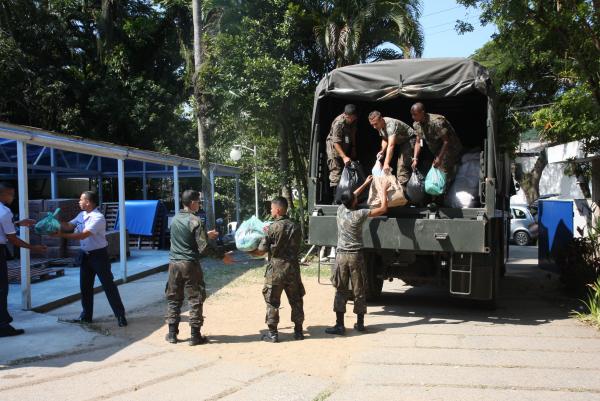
point(420, 345)
point(49, 294)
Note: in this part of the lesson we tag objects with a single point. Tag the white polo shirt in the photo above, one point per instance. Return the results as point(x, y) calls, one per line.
point(6, 223)
point(95, 223)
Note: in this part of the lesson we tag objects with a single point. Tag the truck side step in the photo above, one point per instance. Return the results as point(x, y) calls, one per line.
point(461, 268)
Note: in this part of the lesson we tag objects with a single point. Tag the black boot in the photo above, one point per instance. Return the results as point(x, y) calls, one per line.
point(339, 328)
point(272, 336)
point(360, 322)
point(298, 335)
point(196, 337)
point(172, 334)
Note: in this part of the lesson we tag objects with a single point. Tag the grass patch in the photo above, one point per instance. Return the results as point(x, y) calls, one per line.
point(592, 305)
point(323, 395)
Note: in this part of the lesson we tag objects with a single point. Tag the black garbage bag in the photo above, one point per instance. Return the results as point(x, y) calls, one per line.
point(352, 177)
point(415, 188)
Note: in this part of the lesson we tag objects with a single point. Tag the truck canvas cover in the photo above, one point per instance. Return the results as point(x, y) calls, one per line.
point(411, 78)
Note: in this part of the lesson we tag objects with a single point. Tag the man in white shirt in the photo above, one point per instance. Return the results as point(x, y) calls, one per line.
point(8, 234)
point(90, 229)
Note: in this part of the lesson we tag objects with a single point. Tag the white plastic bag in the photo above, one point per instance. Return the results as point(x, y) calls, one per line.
point(464, 190)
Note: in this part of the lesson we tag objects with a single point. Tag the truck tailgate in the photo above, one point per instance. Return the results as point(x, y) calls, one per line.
point(450, 235)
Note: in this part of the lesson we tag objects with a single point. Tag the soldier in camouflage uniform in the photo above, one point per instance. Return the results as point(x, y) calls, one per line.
point(394, 133)
point(283, 271)
point(341, 144)
point(188, 240)
point(349, 262)
point(439, 135)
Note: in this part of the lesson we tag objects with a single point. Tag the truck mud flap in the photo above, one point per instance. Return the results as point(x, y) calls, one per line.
point(435, 235)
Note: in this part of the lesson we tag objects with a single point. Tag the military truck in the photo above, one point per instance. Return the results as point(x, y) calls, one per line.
point(464, 250)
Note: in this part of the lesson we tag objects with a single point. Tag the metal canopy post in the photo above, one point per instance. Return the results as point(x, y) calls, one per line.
point(144, 183)
point(53, 175)
point(99, 178)
point(212, 191)
point(176, 188)
point(122, 220)
point(24, 231)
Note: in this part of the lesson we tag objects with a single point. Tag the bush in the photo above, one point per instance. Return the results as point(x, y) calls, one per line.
point(592, 305)
point(580, 264)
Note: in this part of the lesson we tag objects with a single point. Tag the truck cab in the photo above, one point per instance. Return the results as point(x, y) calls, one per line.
point(462, 249)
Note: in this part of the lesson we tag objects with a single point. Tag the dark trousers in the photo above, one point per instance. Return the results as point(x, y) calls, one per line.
point(5, 318)
point(185, 279)
point(97, 263)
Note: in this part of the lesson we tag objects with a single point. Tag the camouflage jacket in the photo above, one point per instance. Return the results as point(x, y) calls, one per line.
point(350, 225)
point(433, 128)
point(397, 128)
point(282, 241)
point(188, 238)
point(343, 133)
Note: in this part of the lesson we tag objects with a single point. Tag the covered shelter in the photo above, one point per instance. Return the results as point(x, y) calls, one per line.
point(27, 152)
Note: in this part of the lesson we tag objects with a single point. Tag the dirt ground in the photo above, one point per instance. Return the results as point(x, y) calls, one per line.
point(234, 322)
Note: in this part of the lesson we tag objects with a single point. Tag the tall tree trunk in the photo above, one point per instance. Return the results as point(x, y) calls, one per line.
point(301, 175)
point(531, 180)
point(284, 164)
point(203, 139)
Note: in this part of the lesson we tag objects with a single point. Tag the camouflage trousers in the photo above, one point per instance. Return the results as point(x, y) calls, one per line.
point(335, 164)
point(185, 278)
point(403, 166)
point(349, 267)
point(281, 277)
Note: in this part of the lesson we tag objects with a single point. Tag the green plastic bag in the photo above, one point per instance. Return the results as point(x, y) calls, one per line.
point(435, 182)
point(48, 225)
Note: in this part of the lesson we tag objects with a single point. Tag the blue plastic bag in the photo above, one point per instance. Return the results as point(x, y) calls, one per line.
point(435, 182)
point(48, 225)
point(249, 234)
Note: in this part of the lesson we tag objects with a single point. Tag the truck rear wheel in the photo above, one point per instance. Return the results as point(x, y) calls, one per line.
point(374, 283)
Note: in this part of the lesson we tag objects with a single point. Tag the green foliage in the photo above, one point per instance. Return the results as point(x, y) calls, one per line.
point(592, 305)
point(581, 262)
point(545, 50)
point(351, 31)
point(575, 116)
point(123, 86)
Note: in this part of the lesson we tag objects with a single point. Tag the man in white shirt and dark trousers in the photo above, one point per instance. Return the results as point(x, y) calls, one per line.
point(90, 230)
point(8, 234)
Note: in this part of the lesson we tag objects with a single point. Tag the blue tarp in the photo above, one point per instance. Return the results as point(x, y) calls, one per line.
point(139, 216)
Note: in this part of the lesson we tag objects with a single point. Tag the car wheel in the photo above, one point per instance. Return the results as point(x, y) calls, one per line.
point(521, 238)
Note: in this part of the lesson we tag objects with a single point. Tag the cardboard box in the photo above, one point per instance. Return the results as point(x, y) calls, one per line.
point(53, 252)
point(69, 208)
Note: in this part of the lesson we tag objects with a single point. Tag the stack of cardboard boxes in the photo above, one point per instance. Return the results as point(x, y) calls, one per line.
point(38, 209)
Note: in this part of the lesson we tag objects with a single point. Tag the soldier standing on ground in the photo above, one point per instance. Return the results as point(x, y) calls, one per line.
point(9, 234)
point(394, 133)
point(441, 138)
point(349, 261)
point(90, 230)
point(188, 240)
point(283, 271)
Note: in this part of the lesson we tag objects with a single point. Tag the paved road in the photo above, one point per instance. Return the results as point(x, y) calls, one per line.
point(421, 345)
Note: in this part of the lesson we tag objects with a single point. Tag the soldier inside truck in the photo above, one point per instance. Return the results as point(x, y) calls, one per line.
point(466, 113)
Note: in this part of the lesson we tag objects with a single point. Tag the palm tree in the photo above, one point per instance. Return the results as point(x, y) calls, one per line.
point(351, 31)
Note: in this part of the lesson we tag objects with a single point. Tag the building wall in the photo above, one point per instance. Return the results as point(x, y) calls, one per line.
point(553, 181)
